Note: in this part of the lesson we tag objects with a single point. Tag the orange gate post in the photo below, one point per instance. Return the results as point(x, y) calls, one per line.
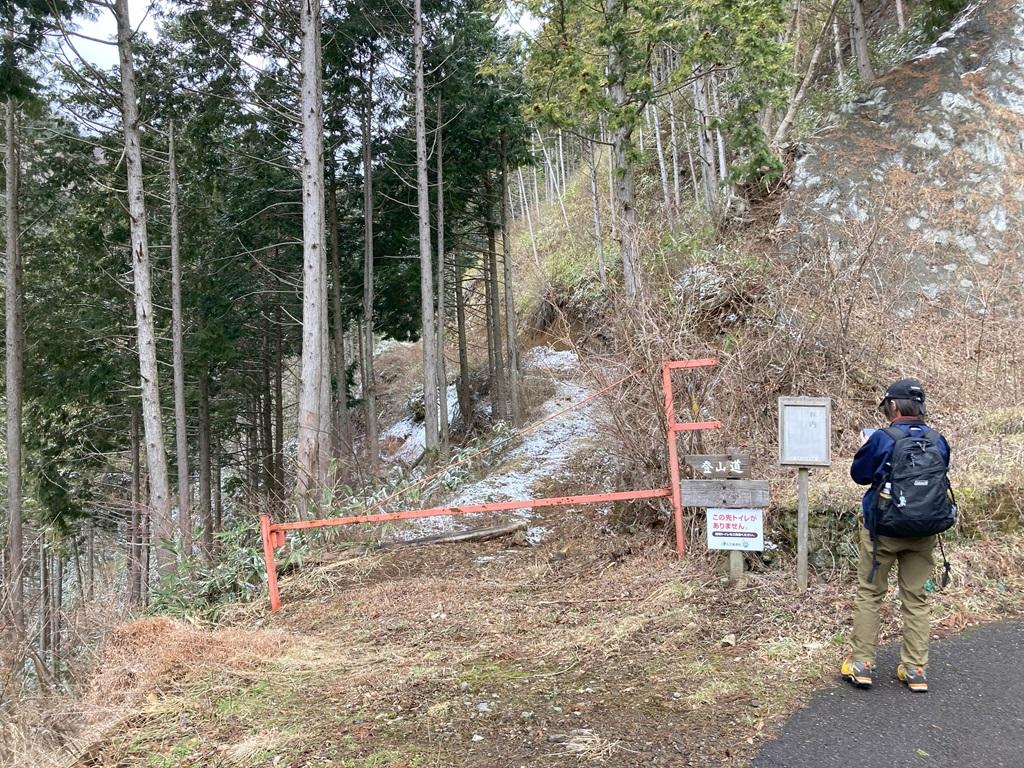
point(673, 428)
point(269, 540)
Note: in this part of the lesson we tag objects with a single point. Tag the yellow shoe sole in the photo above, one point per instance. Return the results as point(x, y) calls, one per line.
point(915, 687)
point(859, 680)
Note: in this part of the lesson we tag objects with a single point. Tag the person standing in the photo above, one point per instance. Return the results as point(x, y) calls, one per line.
point(909, 501)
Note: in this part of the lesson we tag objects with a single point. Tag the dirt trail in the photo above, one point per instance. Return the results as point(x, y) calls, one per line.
point(543, 456)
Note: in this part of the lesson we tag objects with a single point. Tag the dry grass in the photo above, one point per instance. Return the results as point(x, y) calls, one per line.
point(142, 661)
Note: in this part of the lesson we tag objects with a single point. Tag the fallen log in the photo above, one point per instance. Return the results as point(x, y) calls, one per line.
point(472, 534)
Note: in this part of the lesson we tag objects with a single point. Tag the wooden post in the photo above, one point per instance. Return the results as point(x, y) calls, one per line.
point(268, 555)
point(736, 559)
point(673, 459)
point(735, 566)
point(802, 532)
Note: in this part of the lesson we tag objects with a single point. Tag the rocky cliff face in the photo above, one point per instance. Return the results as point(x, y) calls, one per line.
point(928, 167)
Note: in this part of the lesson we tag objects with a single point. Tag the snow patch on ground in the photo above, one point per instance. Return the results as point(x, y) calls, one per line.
point(545, 358)
point(413, 434)
point(545, 452)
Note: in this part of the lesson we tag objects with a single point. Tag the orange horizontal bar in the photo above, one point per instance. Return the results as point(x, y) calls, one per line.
point(693, 426)
point(558, 501)
point(675, 365)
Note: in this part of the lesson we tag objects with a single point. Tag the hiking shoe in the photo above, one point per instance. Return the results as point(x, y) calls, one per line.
point(916, 678)
point(860, 673)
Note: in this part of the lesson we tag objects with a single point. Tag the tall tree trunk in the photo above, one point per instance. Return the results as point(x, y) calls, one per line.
point(625, 192)
point(156, 455)
point(689, 160)
point(180, 419)
point(205, 511)
point(837, 43)
point(135, 566)
point(860, 42)
point(666, 192)
point(723, 164)
point(366, 365)
point(901, 17)
point(45, 602)
point(808, 78)
point(311, 387)
point(465, 399)
point(76, 554)
point(254, 455)
point(145, 543)
point(796, 34)
point(552, 175)
point(705, 147)
point(493, 374)
point(267, 422)
point(442, 370)
point(674, 146)
point(15, 370)
point(344, 422)
point(512, 213)
point(218, 496)
point(278, 407)
point(91, 561)
point(606, 137)
point(602, 269)
point(511, 331)
point(550, 180)
point(325, 460)
point(561, 163)
point(56, 620)
point(529, 218)
point(429, 339)
point(536, 190)
point(501, 373)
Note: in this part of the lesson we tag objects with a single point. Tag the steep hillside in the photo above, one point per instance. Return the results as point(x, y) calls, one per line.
point(928, 164)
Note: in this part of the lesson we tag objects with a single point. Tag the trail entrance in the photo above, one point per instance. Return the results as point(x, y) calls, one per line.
point(273, 534)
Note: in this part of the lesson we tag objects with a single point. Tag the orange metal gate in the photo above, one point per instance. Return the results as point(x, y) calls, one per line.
point(273, 534)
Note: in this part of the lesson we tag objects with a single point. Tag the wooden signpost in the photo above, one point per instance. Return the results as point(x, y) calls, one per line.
point(727, 494)
point(805, 440)
point(734, 504)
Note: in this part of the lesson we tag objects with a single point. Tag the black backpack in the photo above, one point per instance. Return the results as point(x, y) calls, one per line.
point(916, 498)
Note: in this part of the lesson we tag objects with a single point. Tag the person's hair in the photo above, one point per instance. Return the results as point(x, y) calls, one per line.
point(911, 408)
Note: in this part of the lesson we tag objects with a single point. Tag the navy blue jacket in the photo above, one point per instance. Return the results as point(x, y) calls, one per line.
point(869, 465)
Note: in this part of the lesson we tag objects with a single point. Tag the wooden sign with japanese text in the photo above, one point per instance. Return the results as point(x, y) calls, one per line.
point(729, 466)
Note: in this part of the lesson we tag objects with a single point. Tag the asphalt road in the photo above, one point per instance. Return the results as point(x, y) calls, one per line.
point(971, 717)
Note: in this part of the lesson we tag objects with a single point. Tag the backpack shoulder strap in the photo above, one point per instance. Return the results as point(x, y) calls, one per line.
point(895, 433)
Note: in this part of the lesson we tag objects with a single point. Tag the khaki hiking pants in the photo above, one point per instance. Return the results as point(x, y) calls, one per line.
point(916, 565)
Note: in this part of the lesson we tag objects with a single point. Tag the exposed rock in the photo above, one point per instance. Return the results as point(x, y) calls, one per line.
point(929, 165)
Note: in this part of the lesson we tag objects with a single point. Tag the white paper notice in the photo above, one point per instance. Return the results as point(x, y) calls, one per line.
point(736, 529)
point(805, 434)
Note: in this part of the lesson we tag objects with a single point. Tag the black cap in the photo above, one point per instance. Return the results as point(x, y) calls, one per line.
point(904, 389)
